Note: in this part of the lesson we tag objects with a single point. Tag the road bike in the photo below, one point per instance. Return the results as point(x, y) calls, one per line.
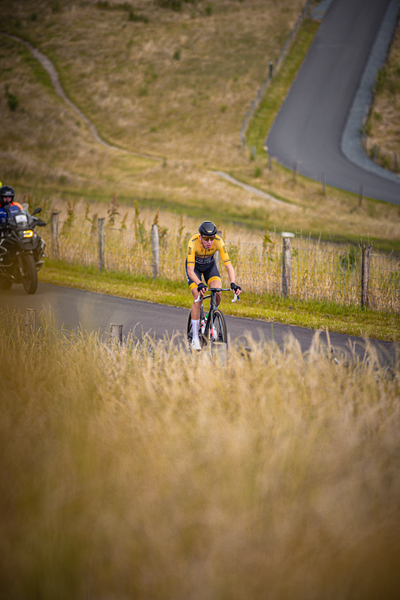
point(213, 332)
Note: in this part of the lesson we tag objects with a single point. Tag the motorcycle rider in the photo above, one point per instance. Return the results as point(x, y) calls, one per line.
point(21, 248)
point(7, 195)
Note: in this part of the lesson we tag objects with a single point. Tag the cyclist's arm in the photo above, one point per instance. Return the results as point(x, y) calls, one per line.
point(231, 272)
point(192, 274)
point(228, 265)
point(190, 258)
point(231, 275)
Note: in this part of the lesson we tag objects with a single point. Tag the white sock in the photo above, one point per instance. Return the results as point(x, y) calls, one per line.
point(195, 329)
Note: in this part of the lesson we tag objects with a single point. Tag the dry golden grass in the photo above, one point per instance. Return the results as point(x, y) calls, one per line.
point(43, 141)
point(125, 475)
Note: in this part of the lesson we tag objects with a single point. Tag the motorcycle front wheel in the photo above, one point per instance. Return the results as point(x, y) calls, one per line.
point(29, 274)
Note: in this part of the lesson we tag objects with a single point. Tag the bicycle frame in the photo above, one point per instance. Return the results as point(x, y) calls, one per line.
point(215, 332)
point(213, 307)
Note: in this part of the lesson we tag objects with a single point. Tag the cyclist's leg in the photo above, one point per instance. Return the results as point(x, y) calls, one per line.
point(213, 279)
point(195, 310)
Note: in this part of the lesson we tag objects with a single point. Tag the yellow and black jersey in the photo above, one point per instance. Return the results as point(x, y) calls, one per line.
point(198, 255)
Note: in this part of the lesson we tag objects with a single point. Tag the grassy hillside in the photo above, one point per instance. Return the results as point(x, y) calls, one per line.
point(177, 85)
point(173, 85)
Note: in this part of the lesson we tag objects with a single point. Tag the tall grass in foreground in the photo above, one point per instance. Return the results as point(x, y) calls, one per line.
point(142, 473)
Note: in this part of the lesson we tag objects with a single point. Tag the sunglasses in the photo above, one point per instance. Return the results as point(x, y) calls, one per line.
point(208, 239)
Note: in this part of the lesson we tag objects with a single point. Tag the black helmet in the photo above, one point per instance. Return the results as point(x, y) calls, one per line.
point(6, 195)
point(207, 228)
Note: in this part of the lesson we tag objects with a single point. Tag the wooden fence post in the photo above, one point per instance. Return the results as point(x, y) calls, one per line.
point(116, 333)
point(156, 250)
point(286, 267)
point(30, 319)
point(366, 256)
point(101, 239)
point(54, 233)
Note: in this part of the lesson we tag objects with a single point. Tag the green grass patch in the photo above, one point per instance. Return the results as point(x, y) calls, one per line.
point(311, 314)
point(276, 93)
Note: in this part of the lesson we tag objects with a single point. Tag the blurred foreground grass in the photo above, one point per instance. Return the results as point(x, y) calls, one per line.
point(138, 472)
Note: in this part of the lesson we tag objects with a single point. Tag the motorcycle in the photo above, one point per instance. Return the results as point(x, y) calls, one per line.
point(21, 248)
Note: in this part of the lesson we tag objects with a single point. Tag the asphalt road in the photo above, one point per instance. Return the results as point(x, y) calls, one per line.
point(309, 128)
point(95, 312)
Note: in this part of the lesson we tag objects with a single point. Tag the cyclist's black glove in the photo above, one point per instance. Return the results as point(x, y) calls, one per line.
point(201, 286)
point(235, 287)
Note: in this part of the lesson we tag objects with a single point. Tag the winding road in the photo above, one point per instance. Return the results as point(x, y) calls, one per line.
point(318, 127)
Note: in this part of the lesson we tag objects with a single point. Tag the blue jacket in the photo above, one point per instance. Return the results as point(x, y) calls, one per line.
point(14, 209)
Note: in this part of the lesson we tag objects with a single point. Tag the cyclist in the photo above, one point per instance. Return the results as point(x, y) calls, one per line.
point(200, 261)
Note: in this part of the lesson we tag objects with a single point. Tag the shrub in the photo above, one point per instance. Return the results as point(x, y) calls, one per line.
point(12, 99)
point(380, 79)
point(173, 4)
point(137, 18)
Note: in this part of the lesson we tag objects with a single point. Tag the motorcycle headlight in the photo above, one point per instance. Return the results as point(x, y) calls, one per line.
point(28, 233)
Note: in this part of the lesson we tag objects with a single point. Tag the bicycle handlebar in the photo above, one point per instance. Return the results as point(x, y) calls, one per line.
point(214, 291)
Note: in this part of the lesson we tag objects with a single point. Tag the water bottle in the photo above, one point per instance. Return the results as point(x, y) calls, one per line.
point(203, 323)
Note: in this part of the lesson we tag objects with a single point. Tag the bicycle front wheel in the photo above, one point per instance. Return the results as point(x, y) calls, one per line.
point(218, 334)
point(189, 333)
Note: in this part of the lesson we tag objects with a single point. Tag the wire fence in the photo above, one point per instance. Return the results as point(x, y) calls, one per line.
point(295, 267)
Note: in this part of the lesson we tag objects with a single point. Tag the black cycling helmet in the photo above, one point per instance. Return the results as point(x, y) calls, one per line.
point(207, 228)
point(6, 195)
